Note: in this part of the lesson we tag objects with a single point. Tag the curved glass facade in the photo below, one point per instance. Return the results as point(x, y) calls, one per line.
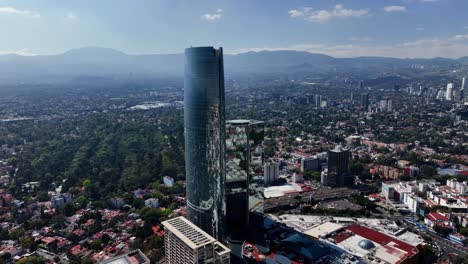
point(204, 138)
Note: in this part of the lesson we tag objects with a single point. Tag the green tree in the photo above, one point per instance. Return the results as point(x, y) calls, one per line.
point(464, 231)
point(95, 244)
point(444, 231)
point(31, 260)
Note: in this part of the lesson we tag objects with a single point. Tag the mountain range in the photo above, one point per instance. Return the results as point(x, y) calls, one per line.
point(96, 61)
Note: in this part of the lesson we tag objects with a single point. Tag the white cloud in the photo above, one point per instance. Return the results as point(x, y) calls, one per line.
point(213, 17)
point(71, 16)
point(322, 16)
point(449, 47)
point(395, 8)
point(295, 13)
point(14, 11)
point(22, 52)
point(460, 37)
point(420, 29)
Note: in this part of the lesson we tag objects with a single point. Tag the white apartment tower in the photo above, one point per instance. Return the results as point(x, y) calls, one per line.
point(185, 243)
point(449, 92)
point(270, 173)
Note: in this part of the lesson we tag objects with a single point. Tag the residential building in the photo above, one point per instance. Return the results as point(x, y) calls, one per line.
point(440, 219)
point(185, 243)
point(152, 203)
point(449, 92)
point(132, 257)
point(270, 173)
point(168, 181)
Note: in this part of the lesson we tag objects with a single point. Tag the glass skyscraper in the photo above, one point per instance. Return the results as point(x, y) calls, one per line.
point(204, 125)
point(244, 157)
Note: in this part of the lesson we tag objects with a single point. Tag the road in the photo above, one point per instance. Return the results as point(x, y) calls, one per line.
point(444, 244)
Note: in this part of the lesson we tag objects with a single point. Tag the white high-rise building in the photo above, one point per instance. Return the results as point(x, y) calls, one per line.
point(270, 173)
point(389, 106)
point(449, 92)
point(185, 243)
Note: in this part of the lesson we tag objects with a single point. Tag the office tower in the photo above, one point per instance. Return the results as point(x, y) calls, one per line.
point(449, 92)
point(339, 162)
point(318, 100)
point(204, 138)
point(361, 85)
point(270, 173)
point(185, 243)
point(462, 90)
point(365, 101)
point(243, 155)
point(310, 163)
point(352, 98)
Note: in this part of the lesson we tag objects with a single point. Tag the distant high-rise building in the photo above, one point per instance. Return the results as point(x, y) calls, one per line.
point(449, 92)
point(185, 243)
point(243, 138)
point(361, 85)
point(462, 90)
point(389, 105)
point(270, 173)
point(318, 100)
point(328, 179)
point(204, 138)
point(440, 95)
point(383, 105)
point(339, 164)
point(310, 163)
point(365, 101)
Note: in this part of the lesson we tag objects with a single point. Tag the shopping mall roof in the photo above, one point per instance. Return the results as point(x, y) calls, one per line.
point(323, 229)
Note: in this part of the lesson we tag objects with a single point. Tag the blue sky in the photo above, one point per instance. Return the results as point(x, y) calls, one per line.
point(346, 28)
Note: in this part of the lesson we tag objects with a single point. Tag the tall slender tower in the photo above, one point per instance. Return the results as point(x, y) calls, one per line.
point(462, 90)
point(204, 139)
point(449, 92)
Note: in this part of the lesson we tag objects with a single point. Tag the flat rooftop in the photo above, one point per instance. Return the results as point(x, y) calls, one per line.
point(132, 257)
point(189, 233)
point(323, 229)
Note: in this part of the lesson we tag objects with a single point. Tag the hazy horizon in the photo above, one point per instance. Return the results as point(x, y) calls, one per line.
point(393, 28)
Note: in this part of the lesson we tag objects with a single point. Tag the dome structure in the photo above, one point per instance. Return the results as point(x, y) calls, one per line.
point(366, 244)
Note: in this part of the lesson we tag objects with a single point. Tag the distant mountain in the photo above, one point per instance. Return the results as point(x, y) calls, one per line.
point(97, 61)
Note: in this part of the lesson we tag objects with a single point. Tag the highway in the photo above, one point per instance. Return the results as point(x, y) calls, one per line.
point(444, 244)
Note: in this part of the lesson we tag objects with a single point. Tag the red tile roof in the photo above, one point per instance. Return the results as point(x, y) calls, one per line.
point(438, 217)
point(382, 239)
